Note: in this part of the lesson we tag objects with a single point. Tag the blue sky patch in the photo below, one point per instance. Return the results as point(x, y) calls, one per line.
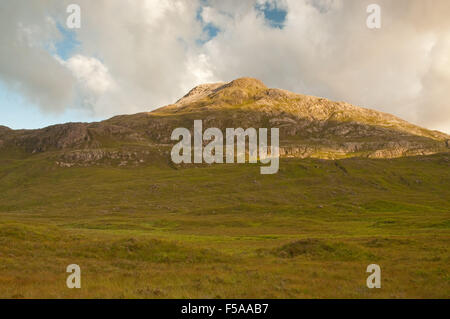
point(274, 15)
point(66, 47)
point(17, 112)
point(210, 31)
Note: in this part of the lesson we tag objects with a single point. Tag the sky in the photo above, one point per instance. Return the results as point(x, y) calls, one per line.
point(134, 56)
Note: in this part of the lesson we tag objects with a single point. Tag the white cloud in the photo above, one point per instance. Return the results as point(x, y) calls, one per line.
point(92, 80)
point(25, 64)
point(91, 73)
point(199, 70)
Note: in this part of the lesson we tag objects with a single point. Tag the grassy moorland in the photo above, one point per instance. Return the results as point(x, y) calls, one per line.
point(225, 231)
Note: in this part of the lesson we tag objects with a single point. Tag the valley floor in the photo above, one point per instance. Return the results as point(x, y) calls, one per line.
point(225, 231)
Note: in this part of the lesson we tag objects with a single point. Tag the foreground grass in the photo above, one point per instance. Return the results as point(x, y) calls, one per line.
point(225, 231)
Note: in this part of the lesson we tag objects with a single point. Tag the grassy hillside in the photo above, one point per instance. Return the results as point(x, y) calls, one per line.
point(153, 231)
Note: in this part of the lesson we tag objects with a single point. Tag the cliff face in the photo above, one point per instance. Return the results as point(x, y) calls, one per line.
point(309, 127)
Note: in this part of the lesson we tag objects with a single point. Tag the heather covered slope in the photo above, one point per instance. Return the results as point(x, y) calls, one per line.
point(309, 126)
point(226, 231)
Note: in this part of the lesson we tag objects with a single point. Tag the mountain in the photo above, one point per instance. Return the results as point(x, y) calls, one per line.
point(309, 127)
point(151, 230)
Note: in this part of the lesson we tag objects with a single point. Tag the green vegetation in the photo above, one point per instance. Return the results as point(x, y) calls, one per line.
point(225, 231)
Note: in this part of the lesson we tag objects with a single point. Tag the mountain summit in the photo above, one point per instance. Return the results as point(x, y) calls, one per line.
point(309, 127)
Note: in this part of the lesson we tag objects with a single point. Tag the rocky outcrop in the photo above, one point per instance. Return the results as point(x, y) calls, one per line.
point(61, 136)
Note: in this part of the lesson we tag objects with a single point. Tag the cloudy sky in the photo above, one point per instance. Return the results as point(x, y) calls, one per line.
point(137, 55)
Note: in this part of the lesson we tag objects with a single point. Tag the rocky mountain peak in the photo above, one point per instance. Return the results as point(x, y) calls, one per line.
point(237, 89)
point(245, 83)
point(309, 126)
point(199, 92)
